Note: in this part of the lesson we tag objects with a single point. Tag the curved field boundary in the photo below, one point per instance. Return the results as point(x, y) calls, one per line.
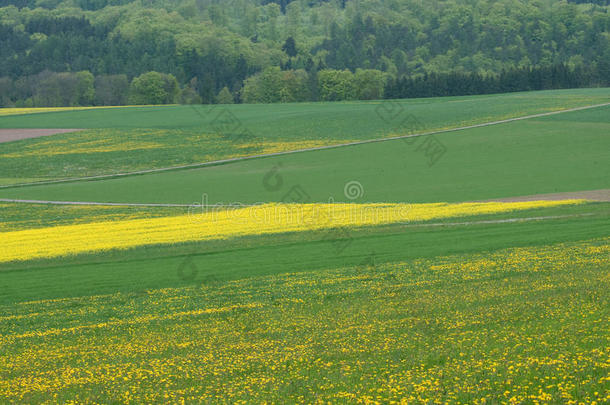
point(11, 112)
point(500, 221)
point(592, 195)
point(103, 204)
point(340, 145)
point(112, 204)
point(602, 195)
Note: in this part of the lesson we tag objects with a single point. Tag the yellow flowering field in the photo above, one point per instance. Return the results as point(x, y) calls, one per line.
point(34, 110)
point(97, 146)
point(516, 326)
point(215, 223)
point(19, 111)
point(89, 142)
point(268, 147)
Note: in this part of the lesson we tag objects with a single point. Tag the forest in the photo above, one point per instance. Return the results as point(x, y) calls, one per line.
point(114, 52)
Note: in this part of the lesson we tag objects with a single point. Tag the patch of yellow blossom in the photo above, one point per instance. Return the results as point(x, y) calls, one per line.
point(203, 223)
point(95, 146)
point(269, 147)
point(21, 111)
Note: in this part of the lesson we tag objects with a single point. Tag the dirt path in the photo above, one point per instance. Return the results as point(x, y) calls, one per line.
point(9, 135)
point(340, 145)
point(593, 195)
point(103, 204)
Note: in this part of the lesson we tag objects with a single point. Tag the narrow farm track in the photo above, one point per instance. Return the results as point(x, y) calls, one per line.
point(498, 221)
point(260, 156)
point(120, 204)
point(602, 195)
point(592, 195)
point(103, 204)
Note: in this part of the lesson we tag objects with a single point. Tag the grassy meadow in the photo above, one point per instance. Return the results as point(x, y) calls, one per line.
point(124, 139)
point(566, 152)
point(371, 274)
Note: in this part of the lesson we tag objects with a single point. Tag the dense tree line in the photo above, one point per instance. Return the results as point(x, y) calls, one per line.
point(293, 50)
point(520, 79)
point(274, 85)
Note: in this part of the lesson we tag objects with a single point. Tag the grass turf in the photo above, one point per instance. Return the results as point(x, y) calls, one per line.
point(544, 155)
point(135, 138)
point(320, 119)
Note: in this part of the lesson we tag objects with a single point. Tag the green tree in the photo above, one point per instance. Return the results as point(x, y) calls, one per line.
point(224, 96)
point(273, 85)
point(336, 85)
point(111, 89)
point(52, 89)
point(264, 87)
point(153, 88)
point(188, 95)
point(6, 92)
point(294, 86)
point(369, 84)
point(290, 47)
point(85, 91)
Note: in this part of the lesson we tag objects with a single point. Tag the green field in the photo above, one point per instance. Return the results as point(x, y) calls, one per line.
point(453, 328)
point(138, 138)
point(566, 152)
point(151, 267)
point(511, 307)
point(316, 119)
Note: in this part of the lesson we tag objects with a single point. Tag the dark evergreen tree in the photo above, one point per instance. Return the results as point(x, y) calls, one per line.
point(290, 47)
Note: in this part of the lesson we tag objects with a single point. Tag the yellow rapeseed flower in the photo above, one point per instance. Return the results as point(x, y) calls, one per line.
point(20, 111)
point(203, 223)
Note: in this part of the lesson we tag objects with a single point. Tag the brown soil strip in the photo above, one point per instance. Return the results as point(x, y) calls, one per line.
point(9, 135)
point(594, 195)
